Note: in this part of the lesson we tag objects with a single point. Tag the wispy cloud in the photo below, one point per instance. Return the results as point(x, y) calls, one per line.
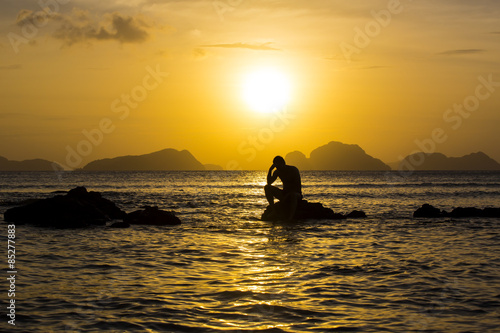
point(80, 27)
point(461, 52)
point(249, 46)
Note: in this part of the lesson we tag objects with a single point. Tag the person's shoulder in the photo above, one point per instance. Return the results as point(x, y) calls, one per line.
point(294, 168)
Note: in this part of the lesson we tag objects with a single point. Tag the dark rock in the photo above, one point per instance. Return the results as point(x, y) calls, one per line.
point(356, 214)
point(305, 210)
point(18, 203)
point(428, 211)
point(152, 216)
point(491, 212)
point(120, 225)
point(466, 212)
point(78, 208)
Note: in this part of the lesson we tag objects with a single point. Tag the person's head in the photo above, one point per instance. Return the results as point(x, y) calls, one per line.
point(279, 162)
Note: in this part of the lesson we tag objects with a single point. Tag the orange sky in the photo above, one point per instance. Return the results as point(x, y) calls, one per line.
point(113, 78)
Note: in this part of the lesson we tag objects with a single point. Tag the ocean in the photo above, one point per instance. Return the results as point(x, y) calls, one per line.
point(223, 269)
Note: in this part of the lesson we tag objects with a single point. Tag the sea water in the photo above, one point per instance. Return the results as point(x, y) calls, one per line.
point(223, 269)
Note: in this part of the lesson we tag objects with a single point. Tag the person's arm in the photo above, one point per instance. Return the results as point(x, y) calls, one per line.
point(271, 177)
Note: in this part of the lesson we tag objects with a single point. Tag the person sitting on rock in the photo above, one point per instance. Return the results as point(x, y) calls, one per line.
point(291, 193)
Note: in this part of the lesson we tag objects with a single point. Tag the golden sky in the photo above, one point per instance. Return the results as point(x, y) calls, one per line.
point(112, 78)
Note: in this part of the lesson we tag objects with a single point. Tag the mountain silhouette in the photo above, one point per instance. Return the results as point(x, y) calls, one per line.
point(167, 159)
point(28, 165)
point(438, 161)
point(336, 156)
point(299, 160)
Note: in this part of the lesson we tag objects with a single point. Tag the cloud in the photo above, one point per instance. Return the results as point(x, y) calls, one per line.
point(10, 67)
point(249, 46)
point(80, 27)
point(461, 52)
point(26, 16)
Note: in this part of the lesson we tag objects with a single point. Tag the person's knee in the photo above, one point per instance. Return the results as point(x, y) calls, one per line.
point(269, 190)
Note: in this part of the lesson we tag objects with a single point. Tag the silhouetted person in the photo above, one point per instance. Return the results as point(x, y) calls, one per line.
point(292, 187)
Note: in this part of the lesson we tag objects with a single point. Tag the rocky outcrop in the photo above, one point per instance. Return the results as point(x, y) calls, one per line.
point(356, 214)
point(306, 210)
point(152, 216)
point(429, 211)
point(78, 208)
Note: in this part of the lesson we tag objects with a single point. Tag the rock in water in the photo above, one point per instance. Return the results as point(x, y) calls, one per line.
point(78, 208)
point(428, 211)
point(466, 212)
point(491, 212)
point(305, 210)
point(152, 216)
point(356, 214)
point(120, 225)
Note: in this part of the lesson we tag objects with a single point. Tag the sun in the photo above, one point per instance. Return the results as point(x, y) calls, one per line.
point(266, 90)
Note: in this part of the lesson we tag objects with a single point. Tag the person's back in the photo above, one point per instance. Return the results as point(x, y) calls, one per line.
point(290, 177)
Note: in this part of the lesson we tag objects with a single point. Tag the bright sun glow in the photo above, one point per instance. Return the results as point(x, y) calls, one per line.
point(266, 90)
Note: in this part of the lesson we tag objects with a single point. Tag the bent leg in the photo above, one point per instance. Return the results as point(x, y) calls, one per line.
point(273, 192)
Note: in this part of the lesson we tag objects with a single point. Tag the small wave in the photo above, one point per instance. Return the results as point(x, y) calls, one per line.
point(229, 295)
point(101, 266)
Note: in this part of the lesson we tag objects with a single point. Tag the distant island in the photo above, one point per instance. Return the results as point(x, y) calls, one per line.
point(438, 161)
point(332, 156)
point(163, 160)
point(28, 165)
point(336, 156)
